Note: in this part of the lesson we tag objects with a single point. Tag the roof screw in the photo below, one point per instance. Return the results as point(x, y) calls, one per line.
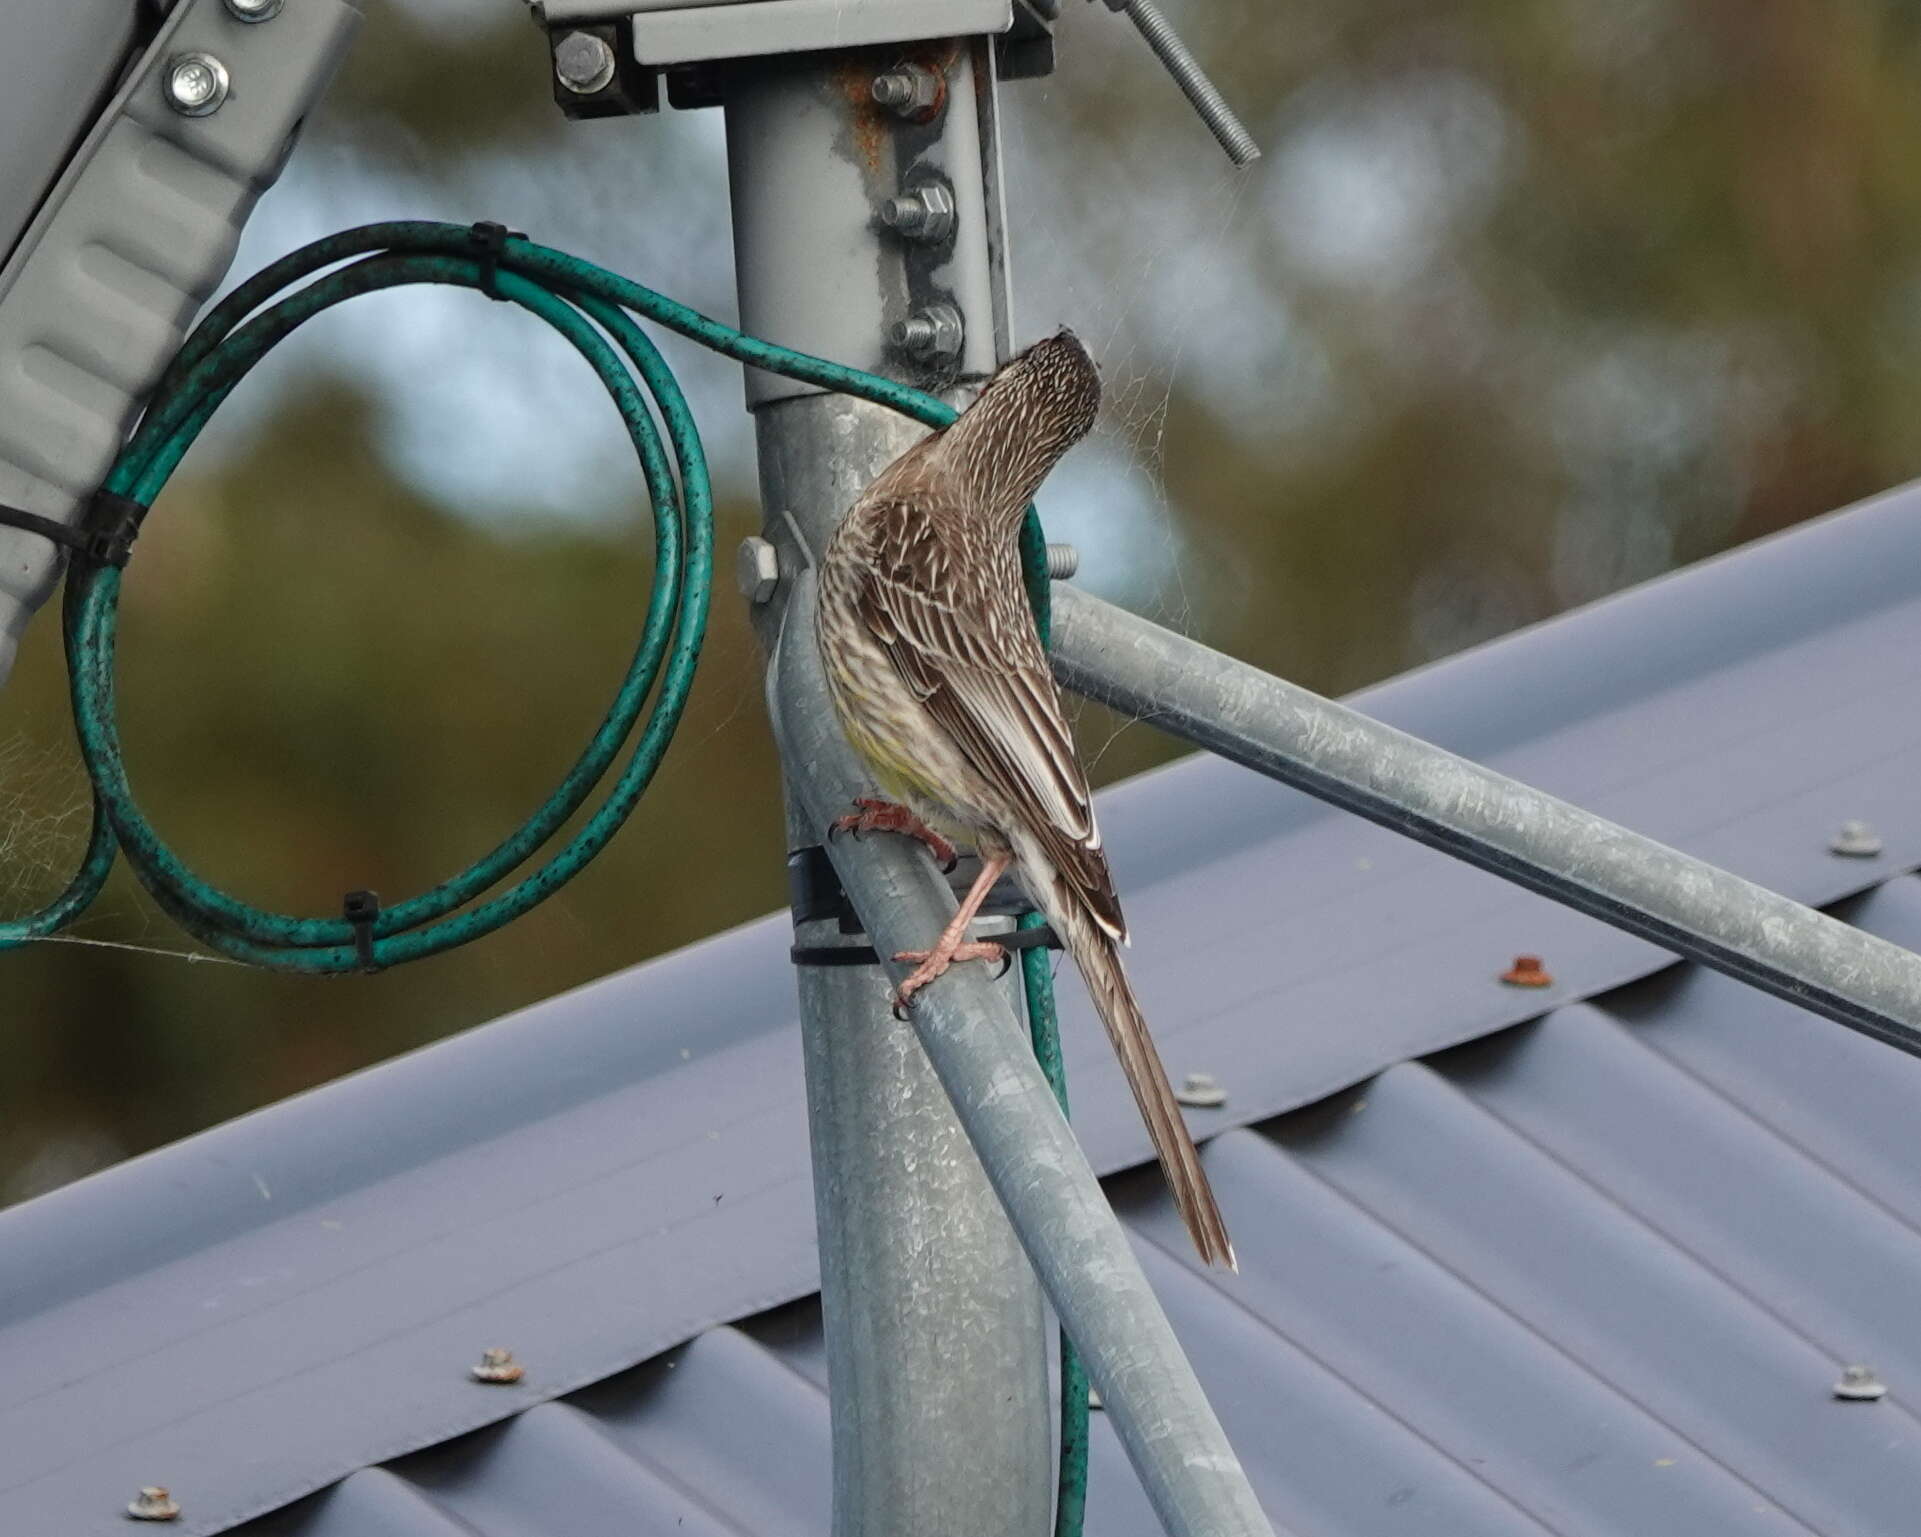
point(1857, 840)
point(584, 63)
point(912, 91)
point(1201, 1091)
point(196, 84)
point(757, 569)
point(933, 332)
point(1094, 1397)
point(254, 10)
point(925, 214)
point(153, 1503)
point(1063, 560)
point(497, 1365)
point(1527, 971)
point(1858, 1384)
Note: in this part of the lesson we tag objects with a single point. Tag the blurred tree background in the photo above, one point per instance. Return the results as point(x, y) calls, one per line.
point(1529, 300)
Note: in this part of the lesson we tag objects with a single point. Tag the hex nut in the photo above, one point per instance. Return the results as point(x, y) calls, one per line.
point(912, 91)
point(934, 332)
point(757, 569)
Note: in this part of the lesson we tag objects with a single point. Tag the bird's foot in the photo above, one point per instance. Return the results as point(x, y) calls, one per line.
point(934, 963)
point(879, 816)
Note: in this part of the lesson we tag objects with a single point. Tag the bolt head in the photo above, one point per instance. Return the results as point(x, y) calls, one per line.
point(757, 569)
point(1859, 1384)
point(1856, 840)
point(497, 1365)
point(254, 10)
point(195, 84)
point(1201, 1091)
point(154, 1503)
point(584, 62)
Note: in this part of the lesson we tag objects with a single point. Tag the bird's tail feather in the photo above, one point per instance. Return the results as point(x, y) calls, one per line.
point(1099, 961)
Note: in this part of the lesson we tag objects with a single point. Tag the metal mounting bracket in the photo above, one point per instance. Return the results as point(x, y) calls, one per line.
point(136, 233)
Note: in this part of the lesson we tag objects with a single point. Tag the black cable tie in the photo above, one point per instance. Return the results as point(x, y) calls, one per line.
point(62, 534)
point(111, 524)
point(490, 242)
point(1042, 938)
point(360, 908)
point(103, 534)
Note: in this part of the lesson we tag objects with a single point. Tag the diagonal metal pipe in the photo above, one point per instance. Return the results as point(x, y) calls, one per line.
point(1681, 903)
point(981, 1055)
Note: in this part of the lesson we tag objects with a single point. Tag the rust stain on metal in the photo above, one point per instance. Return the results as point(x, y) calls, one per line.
point(1527, 971)
point(867, 120)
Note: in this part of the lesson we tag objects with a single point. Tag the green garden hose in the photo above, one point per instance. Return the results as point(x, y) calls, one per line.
point(590, 307)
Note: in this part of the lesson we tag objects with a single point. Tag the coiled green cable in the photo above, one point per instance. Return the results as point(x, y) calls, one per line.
point(588, 305)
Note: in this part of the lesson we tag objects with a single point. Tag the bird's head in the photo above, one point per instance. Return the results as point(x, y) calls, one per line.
point(1059, 386)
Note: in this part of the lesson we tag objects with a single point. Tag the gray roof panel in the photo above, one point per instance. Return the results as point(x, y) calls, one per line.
point(1592, 1276)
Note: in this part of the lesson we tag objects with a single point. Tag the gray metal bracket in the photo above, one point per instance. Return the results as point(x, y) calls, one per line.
point(685, 42)
point(133, 238)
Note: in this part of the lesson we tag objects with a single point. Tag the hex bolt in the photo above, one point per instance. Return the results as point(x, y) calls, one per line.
point(1063, 560)
point(926, 213)
point(1527, 971)
point(196, 84)
point(933, 332)
point(757, 569)
point(154, 1503)
point(497, 1365)
point(1859, 1384)
point(253, 10)
point(584, 63)
point(912, 91)
point(1856, 840)
point(1201, 1091)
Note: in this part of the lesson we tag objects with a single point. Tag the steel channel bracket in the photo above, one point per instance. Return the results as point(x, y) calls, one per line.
point(136, 233)
point(683, 39)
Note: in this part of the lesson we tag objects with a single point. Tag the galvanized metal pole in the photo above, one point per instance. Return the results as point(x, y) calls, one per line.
point(1532, 839)
point(936, 1336)
point(980, 1051)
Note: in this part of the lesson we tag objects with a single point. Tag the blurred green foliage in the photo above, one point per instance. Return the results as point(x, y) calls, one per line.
point(1529, 299)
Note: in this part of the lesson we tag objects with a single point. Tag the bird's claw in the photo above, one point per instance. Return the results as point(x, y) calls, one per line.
point(876, 815)
point(933, 964)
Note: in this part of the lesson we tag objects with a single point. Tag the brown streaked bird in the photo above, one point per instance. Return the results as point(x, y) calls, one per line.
point(942, 687)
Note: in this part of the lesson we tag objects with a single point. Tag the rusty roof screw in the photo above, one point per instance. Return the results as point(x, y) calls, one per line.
point(1527, 971)
point(1200, 1091)
point(1858, 1384)
point(153, 1503)
point(1856, 840)
point(497, 1365)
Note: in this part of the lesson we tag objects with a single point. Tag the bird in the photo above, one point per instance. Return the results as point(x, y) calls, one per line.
point(941, 686)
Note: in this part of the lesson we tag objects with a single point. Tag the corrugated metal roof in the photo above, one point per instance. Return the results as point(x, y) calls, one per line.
point(1594, 1274)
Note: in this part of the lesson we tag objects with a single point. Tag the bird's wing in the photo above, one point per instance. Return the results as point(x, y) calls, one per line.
point(969, 653)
